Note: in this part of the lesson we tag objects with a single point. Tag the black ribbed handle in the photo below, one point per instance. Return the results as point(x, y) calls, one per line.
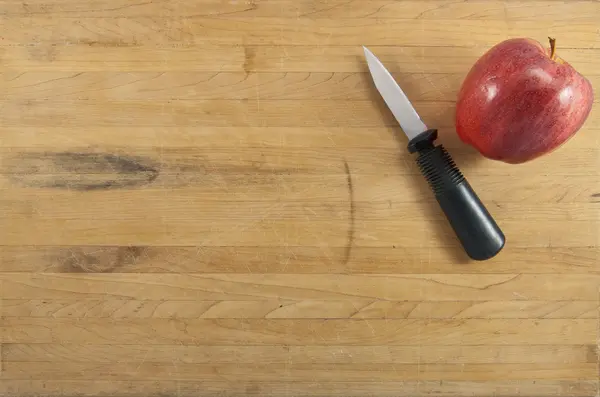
point(474, 226)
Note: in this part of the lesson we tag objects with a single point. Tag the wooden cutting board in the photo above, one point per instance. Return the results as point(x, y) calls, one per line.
point(208, 197)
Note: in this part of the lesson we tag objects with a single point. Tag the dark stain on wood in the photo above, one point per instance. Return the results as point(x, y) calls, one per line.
point(79, 171)
point(352, 216)
point(593, 355)
point(43, 53)
point(101, 259)
point(249, 56)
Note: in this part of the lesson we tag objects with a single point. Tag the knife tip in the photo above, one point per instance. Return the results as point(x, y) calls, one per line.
point(368, 53)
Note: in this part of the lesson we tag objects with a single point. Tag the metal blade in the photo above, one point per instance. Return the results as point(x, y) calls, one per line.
point(394, 97)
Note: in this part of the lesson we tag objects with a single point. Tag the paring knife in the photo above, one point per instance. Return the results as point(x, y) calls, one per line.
point(477, 231)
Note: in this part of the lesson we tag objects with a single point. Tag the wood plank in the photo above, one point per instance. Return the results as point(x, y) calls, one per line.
point(60, 207)
point(225, 113)
point(281, 308)
point(178, 208)
point(297, 372)
point(575, 10)
point(52, 138)
point(290, 260)
point(220, 85)
point(135, 31)
point(179, 167)
point(301, 332)
point(220, 113)
point(223, 187)
point(121, 86)
point(501, 354)
point(525, 388)
point(217, 113)
point(267, 229)
point(242, 287)
point(207, 58)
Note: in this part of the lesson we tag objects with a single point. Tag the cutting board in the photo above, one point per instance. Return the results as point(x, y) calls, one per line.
point(209, 197)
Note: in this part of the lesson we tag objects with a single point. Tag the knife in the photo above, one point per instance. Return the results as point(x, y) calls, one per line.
point(477, 231)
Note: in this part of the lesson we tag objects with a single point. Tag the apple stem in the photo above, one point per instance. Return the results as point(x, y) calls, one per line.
point(552, 48)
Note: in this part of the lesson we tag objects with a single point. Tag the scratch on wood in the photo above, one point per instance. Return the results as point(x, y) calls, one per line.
point(351, 228)
point(79, 171)
point(481, 288)
point(107, 43)
point(562, 197)
point(249, 55)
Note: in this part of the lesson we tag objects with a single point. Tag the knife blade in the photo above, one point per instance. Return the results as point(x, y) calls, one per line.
point(472, 223)
point(394, 97)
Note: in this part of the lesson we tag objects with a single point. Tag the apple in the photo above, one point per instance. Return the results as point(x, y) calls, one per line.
point(520, 101)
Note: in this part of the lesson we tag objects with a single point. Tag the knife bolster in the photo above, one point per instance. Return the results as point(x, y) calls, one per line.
point(423, 141)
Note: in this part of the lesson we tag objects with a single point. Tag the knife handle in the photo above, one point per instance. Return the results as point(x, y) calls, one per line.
point(477, 231)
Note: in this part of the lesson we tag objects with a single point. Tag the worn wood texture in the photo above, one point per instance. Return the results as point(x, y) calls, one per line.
point(208, 197)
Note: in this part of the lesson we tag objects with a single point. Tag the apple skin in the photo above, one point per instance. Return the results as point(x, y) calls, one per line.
point(518, 103)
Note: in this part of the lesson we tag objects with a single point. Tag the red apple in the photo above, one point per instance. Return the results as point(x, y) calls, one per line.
point(520, 101)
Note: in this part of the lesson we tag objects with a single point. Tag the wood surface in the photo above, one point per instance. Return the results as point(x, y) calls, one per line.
point(209, 198)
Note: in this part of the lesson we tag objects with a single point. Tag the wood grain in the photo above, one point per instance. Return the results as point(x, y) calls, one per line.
point(299, 332)
point(502, 354)
point(222, 113)
point(255, 388)
point(270, 31)
point(284, 308)
point(289, 260)
point(208, 197)
point(280, 86)
point(248, 58)
point(577, 10)
point(294, 372)
point(306, 286)
point(52, 138)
